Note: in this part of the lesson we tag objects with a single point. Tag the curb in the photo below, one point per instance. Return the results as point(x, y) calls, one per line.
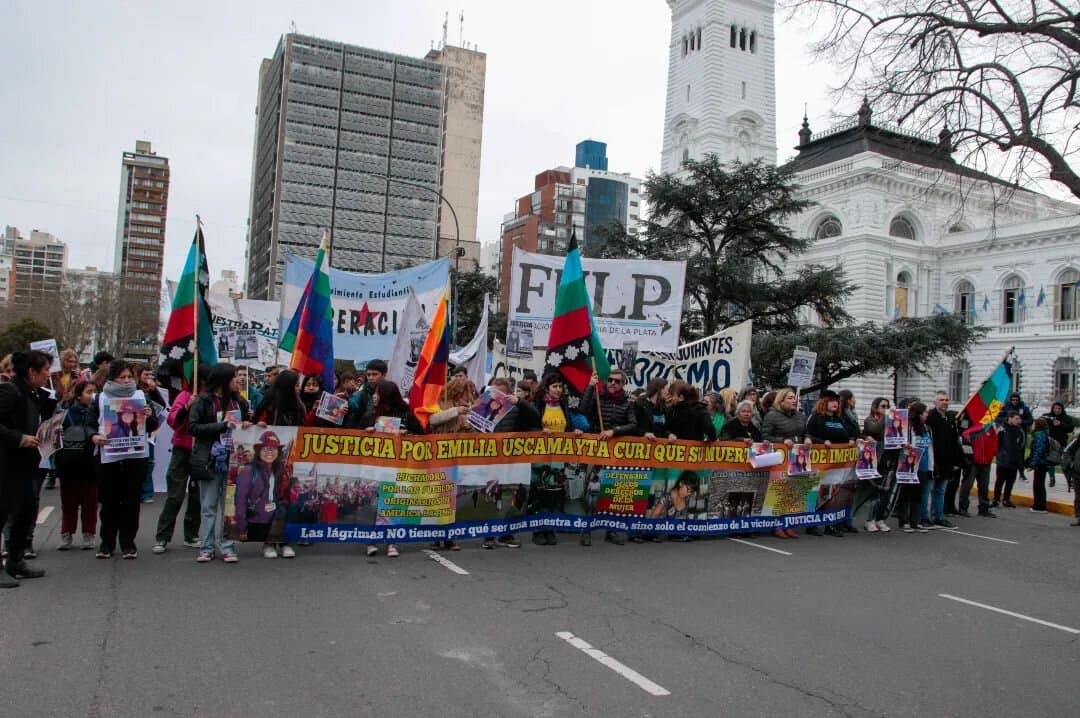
point(1053, 506)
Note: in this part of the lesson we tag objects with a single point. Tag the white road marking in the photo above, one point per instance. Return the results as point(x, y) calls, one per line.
point(623, 670)
point(988, 538)
point(761, 546)
point(442, 560)
point(1011, 613)
point(43, 514)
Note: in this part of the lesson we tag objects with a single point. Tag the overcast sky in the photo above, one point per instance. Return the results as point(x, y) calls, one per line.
point(83, 80)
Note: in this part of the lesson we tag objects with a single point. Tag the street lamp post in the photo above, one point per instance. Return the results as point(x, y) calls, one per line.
point(458, 251)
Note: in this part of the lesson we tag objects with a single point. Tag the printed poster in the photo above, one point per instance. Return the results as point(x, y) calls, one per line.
point(866, 465)
point(332, 408)
point(488, 410)
point(803, 363)
point(50, 434)
point(896, 428)
point(764, 454)
point(123, 422)
point(49, 347)
point(907, 465)
point(624, 491)
point(799, 460)
point(388, 424)
point(519, 339)
point(261, 494)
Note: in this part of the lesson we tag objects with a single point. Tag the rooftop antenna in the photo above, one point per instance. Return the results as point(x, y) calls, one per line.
point(461, 29)
point(445, 23)
point(292, 26)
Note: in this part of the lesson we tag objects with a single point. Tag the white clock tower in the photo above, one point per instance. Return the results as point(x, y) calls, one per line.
point(721, 90)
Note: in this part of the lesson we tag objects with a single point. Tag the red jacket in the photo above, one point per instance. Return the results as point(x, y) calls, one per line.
point(985, 448)
point(178, 420)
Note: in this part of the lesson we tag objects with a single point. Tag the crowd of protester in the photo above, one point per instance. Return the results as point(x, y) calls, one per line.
point(954, 460)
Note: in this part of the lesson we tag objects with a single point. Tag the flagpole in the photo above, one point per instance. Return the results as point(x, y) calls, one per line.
point(974, 393)
point(194, 388)
point(596, 393)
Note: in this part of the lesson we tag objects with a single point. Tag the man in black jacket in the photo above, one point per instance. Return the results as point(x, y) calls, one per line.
point(21, 411)
point(948, 458)
point(610, 414)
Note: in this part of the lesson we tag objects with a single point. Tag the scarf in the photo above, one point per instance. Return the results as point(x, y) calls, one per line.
point(550, 400)
point(120, 391)
point(616, 395)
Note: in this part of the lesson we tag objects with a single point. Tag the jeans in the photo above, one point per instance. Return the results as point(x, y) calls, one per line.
point(19, 516)
point(1003, 483)
point(212, 508)
point(179, 485)
point(121, 484)
point(148, 482)
point(937, 498)
point(927, 487)
point(1039, 487)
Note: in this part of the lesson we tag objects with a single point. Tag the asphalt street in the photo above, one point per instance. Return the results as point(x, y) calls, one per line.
point(867, 625)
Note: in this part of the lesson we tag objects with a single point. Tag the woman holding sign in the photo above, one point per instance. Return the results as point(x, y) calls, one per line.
point(785, 424)
point(912, 507)
point(123, 418)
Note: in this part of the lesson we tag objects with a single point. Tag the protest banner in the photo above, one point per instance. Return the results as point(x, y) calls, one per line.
point(49, 347)
point(356, 486)
point(246, 331)
point(368, 308)
point(710, 364)
point(632, 300)
point(803, 363)
point(123, 423)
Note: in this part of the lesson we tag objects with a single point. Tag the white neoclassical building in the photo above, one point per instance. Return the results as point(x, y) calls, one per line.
point(919, 233)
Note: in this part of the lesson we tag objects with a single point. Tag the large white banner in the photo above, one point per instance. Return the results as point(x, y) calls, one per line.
point(632, 300)
point(711, 364)
point(368, 308)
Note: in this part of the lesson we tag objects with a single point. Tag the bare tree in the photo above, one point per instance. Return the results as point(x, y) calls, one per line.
point(1000, 74)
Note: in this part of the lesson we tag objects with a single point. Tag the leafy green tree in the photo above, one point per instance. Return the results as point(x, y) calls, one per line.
point(904, 346)
point(18, 335)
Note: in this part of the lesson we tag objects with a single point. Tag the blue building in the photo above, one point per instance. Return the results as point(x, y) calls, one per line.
point(591, 154)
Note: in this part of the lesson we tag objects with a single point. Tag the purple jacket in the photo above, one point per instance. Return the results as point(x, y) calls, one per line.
point(253, 485)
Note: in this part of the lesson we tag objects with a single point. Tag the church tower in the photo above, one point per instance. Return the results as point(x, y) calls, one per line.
point(721, 90)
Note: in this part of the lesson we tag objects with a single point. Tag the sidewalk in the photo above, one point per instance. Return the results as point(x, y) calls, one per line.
point(1058, 499)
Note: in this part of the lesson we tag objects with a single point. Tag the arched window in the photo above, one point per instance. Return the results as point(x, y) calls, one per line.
point(900, 297)
point(828, 227)
point(1067, 296)
point(686, 154)
point(901, 227)
point(965, 301)
point(1065, 381)
point(1013, 300)
point(959, 380)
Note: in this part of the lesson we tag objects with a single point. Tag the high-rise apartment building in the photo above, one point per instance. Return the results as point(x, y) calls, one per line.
point(38, 266)
point(567, 201)
point(463, 129)
point(139, 254)
point(7, 280)
point(721, 86)
point(352, 140)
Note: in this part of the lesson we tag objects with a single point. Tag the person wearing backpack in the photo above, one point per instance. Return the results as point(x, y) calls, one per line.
point(76, 467)
point(1060, 426)
point(1040, 462)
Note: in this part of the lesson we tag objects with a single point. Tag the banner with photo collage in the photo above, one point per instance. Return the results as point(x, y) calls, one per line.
point(337, 485)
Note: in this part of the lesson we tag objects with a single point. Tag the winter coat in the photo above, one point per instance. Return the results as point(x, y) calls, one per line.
point(1010, 453)
point(689, 420)
point(1062, 430)
point(178, 420)
point(651, 419)
point(21, 411)
point(361, 404)
point(1040, 444)
point(734, 431)
point(618, 415)
point(521, 417)
point(783, 425)
point(948, 455)
point(1026, 420)
point(874, 428)
point(833, 429)
point(205, 428)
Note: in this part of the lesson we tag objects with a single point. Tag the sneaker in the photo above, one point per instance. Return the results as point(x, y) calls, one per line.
point(871, 527)
point(994, 504)
point(103, 553)
point(288, 552)
point(65, 543)
point(88, 541)
point(1008, 504)
point(23, 570)
point(29, 553)
point(925, 525)
point(229, 557)
point(1075, 523)
point(158, 548)
point(988, 514)
point(391, 551)
point(907, 528)
point(964, 514)
point(791, 533)
point(204, 557)
point(192, 543)
point(1038, 511)
point(489, 544)
point(130, 553)
point(833, 531)
point(944, 524)
point(508, 542)
point(372, 550)
point(883, 527)
point(269, 552)
point(148, 501)
point(614, 537)
point(922, 528)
